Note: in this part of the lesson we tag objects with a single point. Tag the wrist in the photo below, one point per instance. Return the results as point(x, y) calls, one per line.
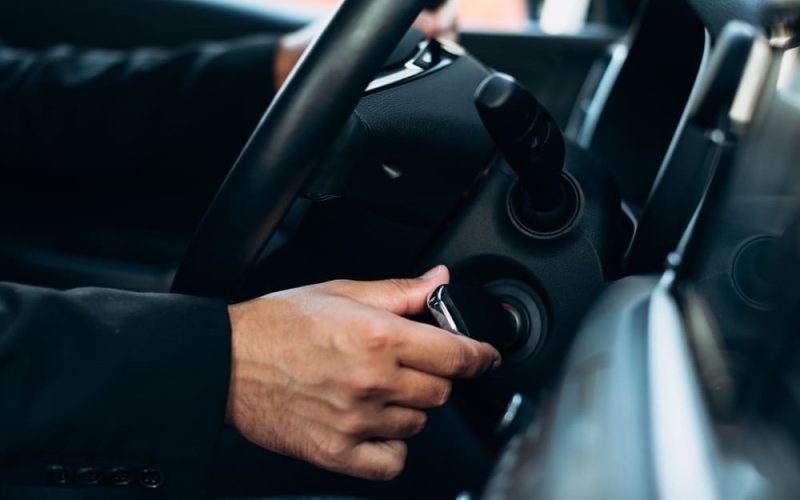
point(235, 318)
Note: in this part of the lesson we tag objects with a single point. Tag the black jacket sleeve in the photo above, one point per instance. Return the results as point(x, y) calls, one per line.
point(107, 394)
point(100, 126)
point(124, 390)
point(119, 107)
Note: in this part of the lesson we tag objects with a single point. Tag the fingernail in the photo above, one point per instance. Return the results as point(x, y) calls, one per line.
point(432, 273)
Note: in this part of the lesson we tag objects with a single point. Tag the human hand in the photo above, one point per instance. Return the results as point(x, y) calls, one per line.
point(441, 23)
point(333, 375)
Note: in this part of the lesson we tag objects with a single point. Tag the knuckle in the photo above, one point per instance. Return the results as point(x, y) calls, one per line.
point(390, 471)
point(385, 471)
point(354, 424)
point(401, 287)
point(411, 424)
point(395, 467)
point(377, 339)
point(459, 362)
point(368, 384)
point(335, 453)
point(311, 323)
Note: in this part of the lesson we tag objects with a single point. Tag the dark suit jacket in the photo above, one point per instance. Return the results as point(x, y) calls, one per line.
point(88, 131)
point(108, 394)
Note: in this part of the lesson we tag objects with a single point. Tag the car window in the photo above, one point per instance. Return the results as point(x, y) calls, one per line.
point(551, 16)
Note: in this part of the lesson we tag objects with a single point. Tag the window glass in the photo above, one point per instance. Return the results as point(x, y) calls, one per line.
point(500, 14)
point(552, 16)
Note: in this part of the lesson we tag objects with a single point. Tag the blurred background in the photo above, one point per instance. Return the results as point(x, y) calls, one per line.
point(509, 14)
point(555, 16)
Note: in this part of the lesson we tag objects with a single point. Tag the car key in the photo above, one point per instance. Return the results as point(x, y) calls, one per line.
point(477, 314)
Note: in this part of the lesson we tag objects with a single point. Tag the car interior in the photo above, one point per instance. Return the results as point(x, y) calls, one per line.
point(619, 206)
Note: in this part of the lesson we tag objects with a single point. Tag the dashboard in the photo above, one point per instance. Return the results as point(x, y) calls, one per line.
point(685, 384)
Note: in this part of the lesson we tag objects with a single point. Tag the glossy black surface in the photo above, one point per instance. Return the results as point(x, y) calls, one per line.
point(311, 107)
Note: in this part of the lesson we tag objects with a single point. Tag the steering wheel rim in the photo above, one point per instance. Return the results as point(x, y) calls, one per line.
point(289, 142)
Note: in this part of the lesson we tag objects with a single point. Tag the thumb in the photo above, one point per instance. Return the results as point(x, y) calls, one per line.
point(404, 297)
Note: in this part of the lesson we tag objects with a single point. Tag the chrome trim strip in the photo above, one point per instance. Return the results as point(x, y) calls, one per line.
point(683, 447)
point(409, 70)
point(441, 313)
point(450, 51)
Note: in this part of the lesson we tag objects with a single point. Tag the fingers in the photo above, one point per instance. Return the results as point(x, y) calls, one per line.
point(440, 22)
point(415, 389)
point(377, 460)
point(426, 348)
point(403, 297)
point(395, 422)
point(416, 345)
point(436, 352)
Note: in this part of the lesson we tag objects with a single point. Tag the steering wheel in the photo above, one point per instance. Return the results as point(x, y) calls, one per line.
point(288, 143)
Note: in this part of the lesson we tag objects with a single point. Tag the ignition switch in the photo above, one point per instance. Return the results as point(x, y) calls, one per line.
point(503, 320)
